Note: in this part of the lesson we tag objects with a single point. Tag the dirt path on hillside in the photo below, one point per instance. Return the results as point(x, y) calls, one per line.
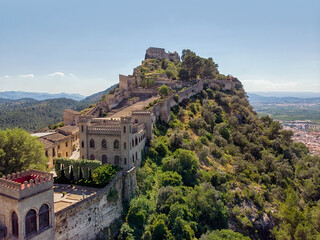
point(137, 106)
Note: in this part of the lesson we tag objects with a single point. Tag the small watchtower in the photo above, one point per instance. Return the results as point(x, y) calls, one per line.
point(27, 206)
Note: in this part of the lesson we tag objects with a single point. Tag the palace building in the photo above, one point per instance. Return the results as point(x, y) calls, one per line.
point(115, 141)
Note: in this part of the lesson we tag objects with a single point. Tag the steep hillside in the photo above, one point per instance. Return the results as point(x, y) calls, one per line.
point(94, 98)
point(31, 114)
point(217, 165)
point(34, 115)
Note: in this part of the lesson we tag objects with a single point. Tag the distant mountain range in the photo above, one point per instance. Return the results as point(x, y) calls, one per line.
point(15, 95)
point(287, 94)
point(287, 107)
point(33, 114)
point(255, 98)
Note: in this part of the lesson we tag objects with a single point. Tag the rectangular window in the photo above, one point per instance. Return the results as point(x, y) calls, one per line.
point(66, 154)
point(66, 144)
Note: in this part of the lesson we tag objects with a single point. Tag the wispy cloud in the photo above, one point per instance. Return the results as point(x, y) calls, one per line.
point(6, 76)
point(27, 76)
point(56, 74)
point(71, 75)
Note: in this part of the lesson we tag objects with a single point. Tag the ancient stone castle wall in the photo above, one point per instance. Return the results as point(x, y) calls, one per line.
point(93, 217)
point(163, 108)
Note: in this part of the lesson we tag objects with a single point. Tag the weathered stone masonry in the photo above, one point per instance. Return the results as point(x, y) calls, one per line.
point(92, 217)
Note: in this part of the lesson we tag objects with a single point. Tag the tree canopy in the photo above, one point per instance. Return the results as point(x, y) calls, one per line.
point(20, 151)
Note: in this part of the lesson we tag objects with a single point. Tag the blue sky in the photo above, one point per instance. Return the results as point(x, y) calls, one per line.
point(81, 46)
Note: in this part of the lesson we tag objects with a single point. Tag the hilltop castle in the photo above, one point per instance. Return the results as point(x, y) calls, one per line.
point(116, 141)
point(28, 207)
point(155, 53)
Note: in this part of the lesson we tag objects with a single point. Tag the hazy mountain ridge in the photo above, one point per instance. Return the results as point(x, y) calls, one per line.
point(34, 115)
point(255, 98)
point(15, 95)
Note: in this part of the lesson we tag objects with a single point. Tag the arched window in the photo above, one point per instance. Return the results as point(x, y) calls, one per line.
point(124, 129)
point(31, 222)
point(132, 143)
point(136, 121)
point(92, 143)
point(125, 161)
point(92, 157)
point(82, 144)
point(132, 158)
point(103, 143)
point(104, 159)
point(117, 160)
point(43, 217)
point(116, 144)
point(15, 224)
point(124, 145)
point(136, 141)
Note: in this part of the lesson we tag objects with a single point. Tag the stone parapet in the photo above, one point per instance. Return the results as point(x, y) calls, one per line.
point(39, 181)
point(141, 112)
point(104, 130)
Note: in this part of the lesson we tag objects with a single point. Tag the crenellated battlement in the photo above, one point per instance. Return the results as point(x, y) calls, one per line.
point(85, 118)
point(141, 112)
point(102, 129)
point(27, 183)
point(125, 119)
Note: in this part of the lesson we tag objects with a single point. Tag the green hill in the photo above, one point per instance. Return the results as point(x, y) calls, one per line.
point(217, 165)
point(34, 115)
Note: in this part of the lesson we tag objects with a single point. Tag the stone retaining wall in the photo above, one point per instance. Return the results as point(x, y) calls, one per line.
point(92, 217)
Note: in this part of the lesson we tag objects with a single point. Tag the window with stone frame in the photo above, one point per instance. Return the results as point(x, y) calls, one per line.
point(117, 160)
point(104, 144)
point(104, 159)
point(15, 224)
point(44, 214)
point(116, 144)
point(91, 143)
point(31, 222)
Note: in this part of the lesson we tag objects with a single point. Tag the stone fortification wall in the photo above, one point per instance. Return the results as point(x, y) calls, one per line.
point(143, 92)
point(154, 53)
point(93, 217)
point(162, 109)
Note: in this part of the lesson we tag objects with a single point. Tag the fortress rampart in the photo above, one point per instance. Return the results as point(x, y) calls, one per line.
point(162, 109)
point(93, 217)
point(25, 184)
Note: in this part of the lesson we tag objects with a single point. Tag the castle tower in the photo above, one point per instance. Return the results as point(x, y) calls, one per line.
point(145, 117)
point(84, 122)
point(27, 206)
point(125, 126)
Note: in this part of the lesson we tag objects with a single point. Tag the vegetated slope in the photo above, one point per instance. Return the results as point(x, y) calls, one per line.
point(33, 115)
point(217, 165)
point(94, 98)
